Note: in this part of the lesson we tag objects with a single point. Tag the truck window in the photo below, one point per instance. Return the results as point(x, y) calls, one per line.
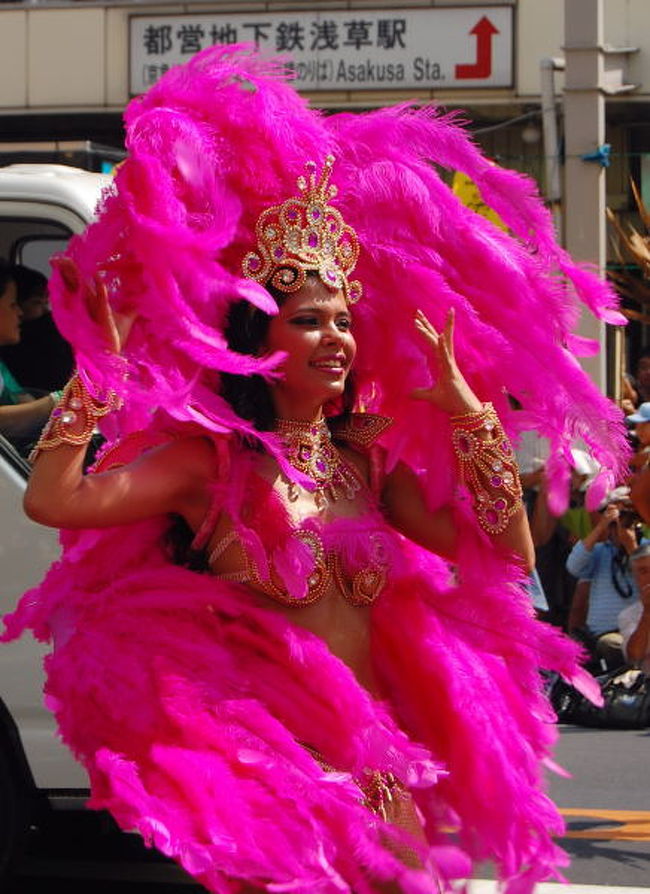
point(35, 252)
point(25, 240)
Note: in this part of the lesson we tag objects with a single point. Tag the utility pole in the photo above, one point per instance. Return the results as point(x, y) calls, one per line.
point(551, 141)
point(584, 133)
point(593, 70)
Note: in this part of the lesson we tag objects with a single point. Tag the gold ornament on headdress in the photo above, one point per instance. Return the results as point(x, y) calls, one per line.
point(305, 234)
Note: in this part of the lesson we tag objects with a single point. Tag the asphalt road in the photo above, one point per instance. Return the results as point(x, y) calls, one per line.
point(606, 803)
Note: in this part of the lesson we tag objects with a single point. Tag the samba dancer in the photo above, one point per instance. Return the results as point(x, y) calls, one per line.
point(327, 706)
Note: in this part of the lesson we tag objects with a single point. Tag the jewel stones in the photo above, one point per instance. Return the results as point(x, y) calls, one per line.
point(305, 233)
point(488, 467)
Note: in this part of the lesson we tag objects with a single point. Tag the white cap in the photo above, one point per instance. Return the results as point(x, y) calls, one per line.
point(584, 463)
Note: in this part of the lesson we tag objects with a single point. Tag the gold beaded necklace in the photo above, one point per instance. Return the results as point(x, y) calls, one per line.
point(310, 451)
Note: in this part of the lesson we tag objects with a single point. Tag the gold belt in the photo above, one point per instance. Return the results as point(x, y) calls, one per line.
point(378, 787)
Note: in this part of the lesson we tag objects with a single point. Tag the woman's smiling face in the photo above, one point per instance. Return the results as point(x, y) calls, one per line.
point(313, 328)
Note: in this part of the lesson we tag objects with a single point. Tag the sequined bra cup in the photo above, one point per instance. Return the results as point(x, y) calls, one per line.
point(321, 550)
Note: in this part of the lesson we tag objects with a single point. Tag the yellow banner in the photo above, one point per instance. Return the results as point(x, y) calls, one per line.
point(468, 192)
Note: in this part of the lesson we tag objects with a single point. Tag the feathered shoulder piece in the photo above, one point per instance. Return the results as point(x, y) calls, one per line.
point(359, 430)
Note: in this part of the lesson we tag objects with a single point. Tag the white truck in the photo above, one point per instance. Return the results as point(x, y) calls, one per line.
point(41, 207)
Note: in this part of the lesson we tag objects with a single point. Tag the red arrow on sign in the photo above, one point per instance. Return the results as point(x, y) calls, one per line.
point(482, 68)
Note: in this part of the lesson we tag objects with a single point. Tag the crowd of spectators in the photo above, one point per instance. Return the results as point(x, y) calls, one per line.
point(594, 567)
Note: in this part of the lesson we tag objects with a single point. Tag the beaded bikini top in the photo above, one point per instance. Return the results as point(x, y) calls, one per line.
point(360, 587)
point(360, 582)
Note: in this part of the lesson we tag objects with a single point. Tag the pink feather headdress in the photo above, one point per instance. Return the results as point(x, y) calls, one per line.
point(193, 737)
point(222, 139)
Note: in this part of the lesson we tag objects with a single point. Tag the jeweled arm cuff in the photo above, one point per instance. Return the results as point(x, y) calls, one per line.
point(74, 418)
point(488, 467)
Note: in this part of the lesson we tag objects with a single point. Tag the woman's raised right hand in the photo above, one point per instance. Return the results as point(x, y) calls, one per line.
point(114, 327)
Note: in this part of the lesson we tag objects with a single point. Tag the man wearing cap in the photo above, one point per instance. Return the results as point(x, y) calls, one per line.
point(641, 421)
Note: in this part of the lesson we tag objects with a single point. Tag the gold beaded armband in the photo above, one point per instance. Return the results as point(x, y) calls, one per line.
point(76, 410)
point(488, 467)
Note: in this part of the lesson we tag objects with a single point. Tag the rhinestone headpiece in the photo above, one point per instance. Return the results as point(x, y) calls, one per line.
point(305, 233)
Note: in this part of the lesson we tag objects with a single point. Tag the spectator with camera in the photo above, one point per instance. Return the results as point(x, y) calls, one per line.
point(603, 559)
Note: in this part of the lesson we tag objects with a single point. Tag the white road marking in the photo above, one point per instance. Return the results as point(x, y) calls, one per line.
point(485, 886)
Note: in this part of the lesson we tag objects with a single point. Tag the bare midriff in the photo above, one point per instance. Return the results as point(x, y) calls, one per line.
point(344, 627)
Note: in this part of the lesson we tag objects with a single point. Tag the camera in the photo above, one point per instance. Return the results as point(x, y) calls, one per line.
point(628, 518)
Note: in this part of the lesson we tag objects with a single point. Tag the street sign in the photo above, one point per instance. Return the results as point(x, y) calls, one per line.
point(357, 49)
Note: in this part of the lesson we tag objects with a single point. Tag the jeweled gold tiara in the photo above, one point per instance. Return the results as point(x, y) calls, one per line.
point(304, 234)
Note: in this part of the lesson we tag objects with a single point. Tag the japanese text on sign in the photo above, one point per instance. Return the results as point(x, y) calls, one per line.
point(358, 49)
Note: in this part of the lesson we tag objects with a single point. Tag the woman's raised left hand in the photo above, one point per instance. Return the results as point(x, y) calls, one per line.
point(450, 392)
